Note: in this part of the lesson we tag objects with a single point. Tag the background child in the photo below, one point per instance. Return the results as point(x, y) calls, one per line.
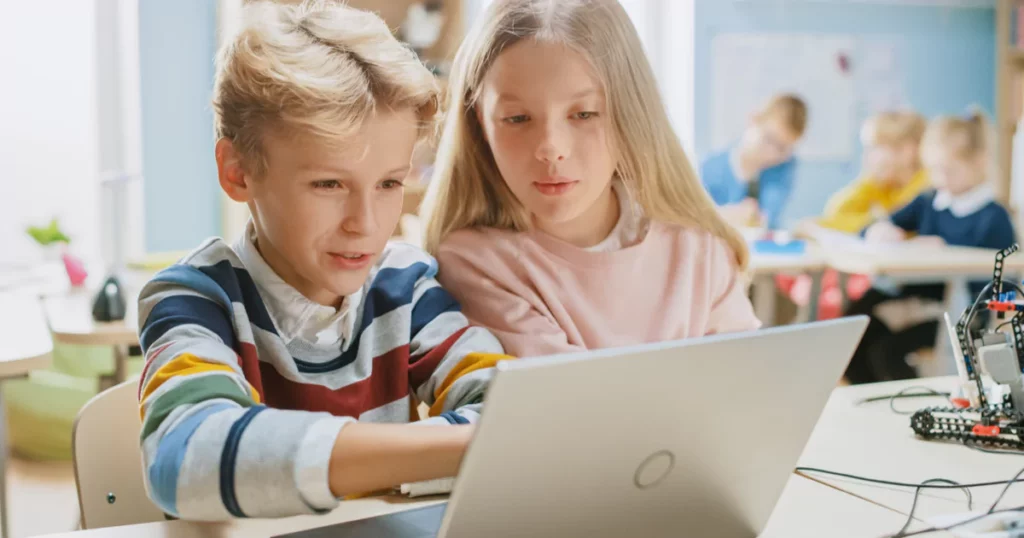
point(891, 176)
point(960, 211)
point(262, 355)
point(563, 210)
point(752, 181)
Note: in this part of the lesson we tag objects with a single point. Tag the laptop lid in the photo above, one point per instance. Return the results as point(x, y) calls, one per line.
point(689, 438)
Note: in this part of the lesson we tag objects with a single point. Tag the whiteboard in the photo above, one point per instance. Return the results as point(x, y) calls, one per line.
point(748, 68)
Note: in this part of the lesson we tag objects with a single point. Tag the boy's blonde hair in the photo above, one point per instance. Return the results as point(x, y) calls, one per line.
point(790, 109)
point(317, 67)
point(893, 128)
point(467, 189)
point(965, 137)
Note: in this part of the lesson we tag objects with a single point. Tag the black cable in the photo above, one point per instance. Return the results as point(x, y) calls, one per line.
point(1003, 493)
point(917, 495)
point(904, 484)
point(903, 394)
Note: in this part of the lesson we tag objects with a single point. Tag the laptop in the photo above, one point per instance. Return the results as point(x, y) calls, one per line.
point(690, 438)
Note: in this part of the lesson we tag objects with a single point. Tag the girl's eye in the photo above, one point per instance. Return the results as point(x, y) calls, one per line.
point(391, 184)
point(519, 118)
point(585, 115)
point(326, 184)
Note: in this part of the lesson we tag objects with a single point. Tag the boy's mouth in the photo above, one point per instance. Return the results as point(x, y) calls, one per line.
point(350, 260)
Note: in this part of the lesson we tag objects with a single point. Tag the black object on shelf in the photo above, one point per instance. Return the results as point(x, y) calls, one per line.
point(109, 304)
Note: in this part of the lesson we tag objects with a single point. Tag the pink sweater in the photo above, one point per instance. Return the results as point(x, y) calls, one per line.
point(541, 296)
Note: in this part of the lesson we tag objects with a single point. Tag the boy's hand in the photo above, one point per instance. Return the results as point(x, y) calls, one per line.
point(373, 457)
point(884, 232)
point(743, 213)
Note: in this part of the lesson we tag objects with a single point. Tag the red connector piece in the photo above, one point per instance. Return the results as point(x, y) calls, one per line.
point(985, 431)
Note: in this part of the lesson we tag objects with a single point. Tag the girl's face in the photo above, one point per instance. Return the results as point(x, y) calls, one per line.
point(543, 111)
point(954, 174)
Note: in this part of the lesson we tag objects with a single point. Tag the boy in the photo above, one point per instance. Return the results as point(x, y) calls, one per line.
point(892, 175)
point(751, 181)
point(261, 355)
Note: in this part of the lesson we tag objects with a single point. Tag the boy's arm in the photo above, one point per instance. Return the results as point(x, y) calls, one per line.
point(849, 210)
point(775, 192)
point(451, 362)
point(212, 452)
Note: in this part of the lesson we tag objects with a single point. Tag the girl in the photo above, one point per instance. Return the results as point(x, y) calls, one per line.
point(960, 211)
point(892, 173)
point(752, 181)
point(563, 211)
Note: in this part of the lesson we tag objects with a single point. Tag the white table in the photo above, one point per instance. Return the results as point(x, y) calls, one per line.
point(25, 345)
point(806, 509)
point(870, 440)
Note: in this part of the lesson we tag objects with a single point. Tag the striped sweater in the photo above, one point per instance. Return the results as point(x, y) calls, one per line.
point(239, 421)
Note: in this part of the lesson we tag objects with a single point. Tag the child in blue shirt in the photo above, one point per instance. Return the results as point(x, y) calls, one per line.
point(751, 181)
point(960, 211)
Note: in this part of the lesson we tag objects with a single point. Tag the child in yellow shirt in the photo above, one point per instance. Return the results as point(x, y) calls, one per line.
point(892, 173)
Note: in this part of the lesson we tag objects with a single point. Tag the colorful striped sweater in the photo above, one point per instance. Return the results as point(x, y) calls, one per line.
point(241, 422)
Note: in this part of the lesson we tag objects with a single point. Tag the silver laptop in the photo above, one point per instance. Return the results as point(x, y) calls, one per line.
point(689, 438)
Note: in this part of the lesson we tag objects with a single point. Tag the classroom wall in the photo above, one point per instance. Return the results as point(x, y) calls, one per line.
point(947, 54)
point(48, 125)
point(177, 44)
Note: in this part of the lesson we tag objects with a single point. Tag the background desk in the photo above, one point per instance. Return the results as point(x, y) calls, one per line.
point(25, 345)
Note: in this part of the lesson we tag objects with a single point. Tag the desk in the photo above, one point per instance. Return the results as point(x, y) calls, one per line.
point(70, 318)
point(870, 440)
point(908, 263)
point(806, 509)
point(25, 345)
point(764, 267)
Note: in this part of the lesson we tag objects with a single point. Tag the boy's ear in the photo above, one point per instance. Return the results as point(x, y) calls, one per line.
point(230, 173)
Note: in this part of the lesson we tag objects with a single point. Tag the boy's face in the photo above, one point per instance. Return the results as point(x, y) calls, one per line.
point(892, 164)
point(542, 109)
point(772, 140)
point(324, 212)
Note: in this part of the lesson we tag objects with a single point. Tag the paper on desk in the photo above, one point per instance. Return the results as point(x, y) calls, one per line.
point(428, 487)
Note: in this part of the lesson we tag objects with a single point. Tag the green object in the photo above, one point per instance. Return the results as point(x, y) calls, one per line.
point(48, 235)
point(41, 409)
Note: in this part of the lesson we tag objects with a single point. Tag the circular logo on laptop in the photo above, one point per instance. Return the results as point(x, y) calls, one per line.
point(654, 469)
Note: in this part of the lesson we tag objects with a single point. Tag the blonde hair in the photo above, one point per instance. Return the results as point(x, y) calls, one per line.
point(318, 66)
point(965, 137)
point(789, 108)
point(892, 128)
point(467, 189)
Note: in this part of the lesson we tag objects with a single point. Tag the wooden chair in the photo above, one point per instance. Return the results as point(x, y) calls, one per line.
point(108, 461)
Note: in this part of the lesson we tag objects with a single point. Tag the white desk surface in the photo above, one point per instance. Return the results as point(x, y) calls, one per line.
point(870, 440)
point(25, 342)
point(806, 509)
point(908, 260)
point(70, 318)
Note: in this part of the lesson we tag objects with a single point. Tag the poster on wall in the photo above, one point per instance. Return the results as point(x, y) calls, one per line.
point(748, 68)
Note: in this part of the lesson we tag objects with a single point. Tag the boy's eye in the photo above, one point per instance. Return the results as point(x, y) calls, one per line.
point(392, 184)
point(585, 115)
point(519, 118)
point(326, 184)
